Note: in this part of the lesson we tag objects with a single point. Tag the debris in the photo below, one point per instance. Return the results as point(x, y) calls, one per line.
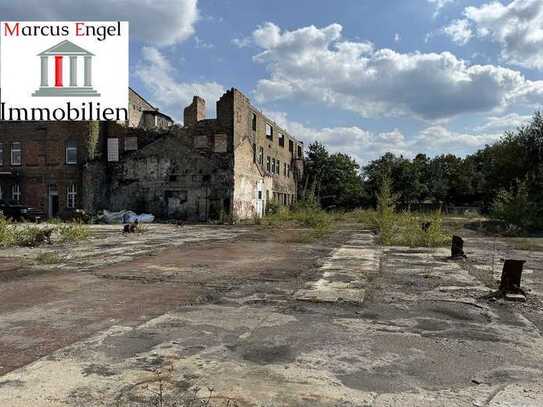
point(127, 217)
point(426, 226)
point(515, 297)
point(457, 248)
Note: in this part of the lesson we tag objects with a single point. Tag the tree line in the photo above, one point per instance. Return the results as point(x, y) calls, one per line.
point(504, 179)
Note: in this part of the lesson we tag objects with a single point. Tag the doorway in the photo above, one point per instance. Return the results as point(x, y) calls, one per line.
point(53, 201)
point(259, 199)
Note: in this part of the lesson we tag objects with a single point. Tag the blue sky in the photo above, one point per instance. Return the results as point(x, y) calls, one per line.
point(362, 76)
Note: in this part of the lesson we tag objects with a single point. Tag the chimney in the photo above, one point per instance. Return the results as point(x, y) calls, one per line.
point(195, 112)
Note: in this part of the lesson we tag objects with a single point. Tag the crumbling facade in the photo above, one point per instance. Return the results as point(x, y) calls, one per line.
point(229, 167)
point(210, 169)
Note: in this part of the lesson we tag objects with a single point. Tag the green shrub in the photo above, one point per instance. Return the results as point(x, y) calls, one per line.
point(32, 236)
point(405, 228)
point(72, 232)
point(516, 210)
point(7, 232)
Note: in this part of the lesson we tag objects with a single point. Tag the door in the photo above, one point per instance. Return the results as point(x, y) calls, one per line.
point(53, 201)
point(259, 199)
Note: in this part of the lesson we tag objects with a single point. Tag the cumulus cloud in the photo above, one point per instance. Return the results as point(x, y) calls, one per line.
point(502, 123)
point(158, 77)
point(459, 31)
point(162, 22)
point(317, 65)
point(517, 27)
point(365, 145)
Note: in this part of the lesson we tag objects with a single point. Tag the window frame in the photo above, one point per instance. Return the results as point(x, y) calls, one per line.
point(16, 191)
point(71, 196)
point(18, 150)
point(261, 155)
point(270, 127)
point(71, 146)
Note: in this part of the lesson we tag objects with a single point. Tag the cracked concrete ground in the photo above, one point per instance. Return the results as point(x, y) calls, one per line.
point(338, 322)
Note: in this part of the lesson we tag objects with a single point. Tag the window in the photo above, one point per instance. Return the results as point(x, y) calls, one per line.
point(71, 153)
point(288, 170)
point(268, 163)
point(282, 140)
point(254, 152)
point(273, 166)
point(16, 193)
point(290, 146)
point(278, 168)
point(1, 154)
point(299, 151)
point(16, 158)
point(130, 143)
point(285, 169)
point(253, 123)
point(71, 196)
point(113, 149)
point(261, 155)
point(269, 131)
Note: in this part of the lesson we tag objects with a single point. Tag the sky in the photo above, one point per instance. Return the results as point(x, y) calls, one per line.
point(364, 77)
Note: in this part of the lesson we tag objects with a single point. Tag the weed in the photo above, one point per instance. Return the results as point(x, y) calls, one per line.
point(48, 258)
point(72, 232)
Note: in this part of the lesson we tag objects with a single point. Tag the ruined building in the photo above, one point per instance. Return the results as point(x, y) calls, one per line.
point(229, 167)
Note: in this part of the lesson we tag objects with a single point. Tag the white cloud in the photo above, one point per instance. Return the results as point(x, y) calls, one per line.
point(157, 75)
point(397, 37)
point(517, 27)
point(365, 145)
point(317, 65)
point(439, 4)
point(161, 22)
point(438, 140)
point(502, 123)
point(459, 31)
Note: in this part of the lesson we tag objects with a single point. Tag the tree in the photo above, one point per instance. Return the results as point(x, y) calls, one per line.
point(333, 179)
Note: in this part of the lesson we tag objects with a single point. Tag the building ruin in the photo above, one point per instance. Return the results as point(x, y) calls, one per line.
point(226, 168)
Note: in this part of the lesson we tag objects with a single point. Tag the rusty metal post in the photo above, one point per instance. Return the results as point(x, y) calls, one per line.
point(457, 248)
point(511, 276)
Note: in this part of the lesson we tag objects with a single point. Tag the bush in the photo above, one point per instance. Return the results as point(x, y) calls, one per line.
point(316, 220)
point(7, 233)
point(404, 228)
point(516, 210)
point(73, 232)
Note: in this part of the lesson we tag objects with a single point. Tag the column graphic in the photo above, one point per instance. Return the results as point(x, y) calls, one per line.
point(58, 71)
point(63, 87)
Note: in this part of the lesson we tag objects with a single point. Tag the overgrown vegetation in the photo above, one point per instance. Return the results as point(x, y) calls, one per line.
point(24, 235)
point(504, 180)
point(405, 228)
point(316, 223)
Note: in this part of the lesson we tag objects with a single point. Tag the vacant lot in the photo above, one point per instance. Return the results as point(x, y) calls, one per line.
point(266, 320)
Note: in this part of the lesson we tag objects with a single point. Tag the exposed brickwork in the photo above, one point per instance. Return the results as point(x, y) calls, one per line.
point(43, 165)
point(195, 112)
point(208, 169)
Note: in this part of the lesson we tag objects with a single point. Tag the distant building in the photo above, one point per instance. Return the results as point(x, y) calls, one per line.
point(144, 115)
point(229, 167)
